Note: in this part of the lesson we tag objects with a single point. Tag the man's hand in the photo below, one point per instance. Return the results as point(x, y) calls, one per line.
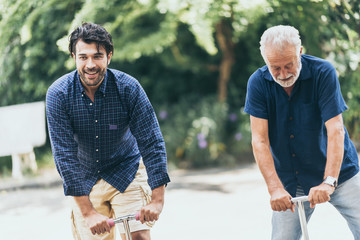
point(97, 223)
point(281, 201)
point(151, 212)
point(320, 194)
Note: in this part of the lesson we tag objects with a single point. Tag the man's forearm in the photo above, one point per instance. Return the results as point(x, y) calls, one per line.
point(158, 195)
point(152, 211)
point(266, 165)
point(84, 205)
point(335, 154)
point(96, 222)
point(335, 148)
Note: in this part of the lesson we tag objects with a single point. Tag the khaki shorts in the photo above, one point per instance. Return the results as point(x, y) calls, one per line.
point(108, 201)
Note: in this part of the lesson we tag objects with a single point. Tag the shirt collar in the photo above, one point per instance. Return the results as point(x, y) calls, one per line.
point(304, 73)
point(101, 88)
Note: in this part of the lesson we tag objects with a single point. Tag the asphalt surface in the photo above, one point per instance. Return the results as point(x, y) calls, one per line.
point(206, 205)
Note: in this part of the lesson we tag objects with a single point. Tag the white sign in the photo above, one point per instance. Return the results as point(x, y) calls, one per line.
point(22, 127)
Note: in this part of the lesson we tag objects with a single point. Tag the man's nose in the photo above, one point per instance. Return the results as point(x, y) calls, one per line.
point(90, 63)
point(283, 73)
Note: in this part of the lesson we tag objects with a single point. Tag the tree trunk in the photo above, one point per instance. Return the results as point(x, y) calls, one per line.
point(226, 45)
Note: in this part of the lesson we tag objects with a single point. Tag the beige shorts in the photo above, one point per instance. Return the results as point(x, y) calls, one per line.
point(108, 201)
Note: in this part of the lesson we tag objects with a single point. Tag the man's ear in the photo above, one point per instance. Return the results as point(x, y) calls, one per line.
point(109, 57)
point(73, 55)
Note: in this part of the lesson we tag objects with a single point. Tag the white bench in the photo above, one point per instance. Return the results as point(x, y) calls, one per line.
point(22, 127)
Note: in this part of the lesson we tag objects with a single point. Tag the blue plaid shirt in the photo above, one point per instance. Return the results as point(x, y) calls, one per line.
point(105, 138)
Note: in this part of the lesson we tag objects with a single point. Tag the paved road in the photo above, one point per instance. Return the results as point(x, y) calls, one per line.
point(206, 205)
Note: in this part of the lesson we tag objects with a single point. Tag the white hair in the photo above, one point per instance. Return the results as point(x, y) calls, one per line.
point(278, 37)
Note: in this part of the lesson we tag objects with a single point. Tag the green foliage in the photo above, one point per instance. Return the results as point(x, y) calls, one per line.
point(343, 48)
point(202, 17)
point(30, 59)
point(43, 156)
point(173, 48)
point(350, 86)
point(5, 166)
point(204, 132)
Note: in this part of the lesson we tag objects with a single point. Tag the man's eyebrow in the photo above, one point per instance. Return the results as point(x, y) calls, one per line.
point(287, 65)
point(96, 54)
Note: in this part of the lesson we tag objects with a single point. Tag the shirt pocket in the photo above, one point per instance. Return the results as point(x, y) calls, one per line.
point(310, 117)
point(110, 133)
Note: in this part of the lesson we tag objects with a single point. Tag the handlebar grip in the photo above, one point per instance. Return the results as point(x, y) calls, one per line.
point(111, 222)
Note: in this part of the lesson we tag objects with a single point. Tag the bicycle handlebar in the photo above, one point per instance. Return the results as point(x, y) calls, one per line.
point(300, 199)
point(112, 222)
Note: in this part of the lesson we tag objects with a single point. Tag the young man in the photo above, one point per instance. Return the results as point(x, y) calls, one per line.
point(299, 141)
point(102, 129)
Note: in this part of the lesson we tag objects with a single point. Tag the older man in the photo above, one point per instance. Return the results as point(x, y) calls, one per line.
point(299, 141)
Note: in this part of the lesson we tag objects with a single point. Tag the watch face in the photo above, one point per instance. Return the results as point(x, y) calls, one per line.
point(330, 181)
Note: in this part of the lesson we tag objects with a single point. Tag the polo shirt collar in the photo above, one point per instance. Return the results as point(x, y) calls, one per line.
point(304, 73)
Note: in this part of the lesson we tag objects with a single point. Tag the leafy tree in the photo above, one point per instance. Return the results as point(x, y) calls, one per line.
point(181, 51)
point(29, 59)
point(343, 47)
point(190, 37)
point(217, 26)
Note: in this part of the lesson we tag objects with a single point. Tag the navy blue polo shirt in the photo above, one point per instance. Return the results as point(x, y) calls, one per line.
point(297, 132)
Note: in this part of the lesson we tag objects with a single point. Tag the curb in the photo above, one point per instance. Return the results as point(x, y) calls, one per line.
point(47, 178)
point(30, 184)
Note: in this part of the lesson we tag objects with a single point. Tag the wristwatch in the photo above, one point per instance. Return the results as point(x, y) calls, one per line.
point(330, 181)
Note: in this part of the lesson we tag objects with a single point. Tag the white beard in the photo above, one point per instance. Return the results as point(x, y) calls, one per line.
point(288, 83)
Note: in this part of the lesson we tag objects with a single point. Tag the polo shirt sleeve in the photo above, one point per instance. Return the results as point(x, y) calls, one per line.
point(63, 144)
point(330, 100)
point(145, 127)
point(255, 102)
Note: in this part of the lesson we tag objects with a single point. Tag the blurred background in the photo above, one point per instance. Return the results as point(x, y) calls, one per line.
point(193, 58)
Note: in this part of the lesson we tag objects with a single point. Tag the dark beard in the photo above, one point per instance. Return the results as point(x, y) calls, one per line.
point(96, 81)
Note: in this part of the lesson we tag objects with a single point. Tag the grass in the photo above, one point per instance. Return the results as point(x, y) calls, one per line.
point(44, 159)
